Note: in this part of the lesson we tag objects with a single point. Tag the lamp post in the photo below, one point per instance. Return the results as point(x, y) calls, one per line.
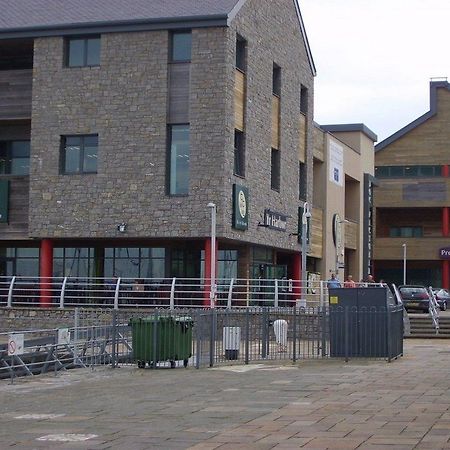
point(404, 263)
point(305, 217)
point(212, 290)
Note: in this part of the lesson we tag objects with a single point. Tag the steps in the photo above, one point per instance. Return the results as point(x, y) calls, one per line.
point(422, 326)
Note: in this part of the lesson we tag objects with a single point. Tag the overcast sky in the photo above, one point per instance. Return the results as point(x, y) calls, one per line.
point(375, 58)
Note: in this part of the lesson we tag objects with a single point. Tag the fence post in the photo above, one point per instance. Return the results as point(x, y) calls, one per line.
point(247, 335)
point(276, 294)
point(230, 294)
point(294, 336)
point(114, 339)
point(346, 332)
point(75, 337)
point(116, 294)
point(324, 331)
point(63, 290)
point(199, 330)
point(10, 292)
point(212, 340)
point(389, 334)
point(172, 294)
point(322, 297)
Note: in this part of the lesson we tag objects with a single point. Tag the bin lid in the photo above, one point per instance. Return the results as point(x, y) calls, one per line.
point(153, 318)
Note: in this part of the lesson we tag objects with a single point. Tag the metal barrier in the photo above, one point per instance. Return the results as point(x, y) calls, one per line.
point(203, 337)
point(433, 309)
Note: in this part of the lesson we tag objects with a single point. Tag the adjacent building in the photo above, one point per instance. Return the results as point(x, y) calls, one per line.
point(121, 121)
point(412, 201)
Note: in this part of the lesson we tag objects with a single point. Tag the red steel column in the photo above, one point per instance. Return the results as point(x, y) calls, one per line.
point(445, 233)
point(296, 274)
point(46, 272)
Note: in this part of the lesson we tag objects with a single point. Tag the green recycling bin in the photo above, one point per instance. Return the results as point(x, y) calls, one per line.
point(161, 338)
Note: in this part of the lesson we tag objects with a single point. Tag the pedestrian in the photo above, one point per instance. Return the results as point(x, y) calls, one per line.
point(333, 282)
point(349, 282)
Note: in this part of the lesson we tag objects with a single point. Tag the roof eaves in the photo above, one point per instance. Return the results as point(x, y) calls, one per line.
point(116, 26)
point(434, 85)
point(346, 127)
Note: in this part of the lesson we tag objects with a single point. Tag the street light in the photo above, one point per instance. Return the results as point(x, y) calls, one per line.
point(305, 217)
point(404, 263)
point(212, 290)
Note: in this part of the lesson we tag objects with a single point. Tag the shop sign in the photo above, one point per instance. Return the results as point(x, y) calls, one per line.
point(274, 220)
point(240, 207)
point(444, 253)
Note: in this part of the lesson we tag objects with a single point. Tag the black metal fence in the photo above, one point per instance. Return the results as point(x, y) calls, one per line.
point(206, 337)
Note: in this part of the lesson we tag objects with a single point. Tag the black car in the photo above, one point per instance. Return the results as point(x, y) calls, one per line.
point(415, 298)
point(442, 297)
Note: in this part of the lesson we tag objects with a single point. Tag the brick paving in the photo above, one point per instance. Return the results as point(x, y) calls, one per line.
point(311, 404)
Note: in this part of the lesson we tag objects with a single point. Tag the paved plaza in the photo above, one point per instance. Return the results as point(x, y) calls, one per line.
point(310, 404)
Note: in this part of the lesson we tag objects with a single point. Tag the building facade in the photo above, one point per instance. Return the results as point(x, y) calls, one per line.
point(413, 198)
point(119, 126)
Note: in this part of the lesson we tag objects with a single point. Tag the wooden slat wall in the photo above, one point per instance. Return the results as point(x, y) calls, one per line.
point(275, 122)
point(17, 228)
point(319, 144)
point(416, 248)
point(316, 233)
point(239, 100)
point(351, 230)
point(302, 139)
point(15, 94)
point(428, 192)
point(179, 80)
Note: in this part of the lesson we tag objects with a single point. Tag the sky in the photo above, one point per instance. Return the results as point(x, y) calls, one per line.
point(375, 59)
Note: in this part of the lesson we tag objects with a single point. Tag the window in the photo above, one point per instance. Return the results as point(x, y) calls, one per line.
point(303, 99)
point(179, 154)
point(407, 171)
point(302, 186)
point(239, 153)
point(275, 170)
point(406, 232)
point(83, 51)
point(15, 157)
point(241, 57)
point(276, 80)
point(181, 47)
point(79, 154)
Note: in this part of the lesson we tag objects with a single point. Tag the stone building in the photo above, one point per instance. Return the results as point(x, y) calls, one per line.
point(120, 122)
point(412, 202)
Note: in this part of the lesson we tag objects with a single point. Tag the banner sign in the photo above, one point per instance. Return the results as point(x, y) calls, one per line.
point(274, 220)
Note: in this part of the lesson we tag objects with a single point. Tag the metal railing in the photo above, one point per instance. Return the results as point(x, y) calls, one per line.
point(203, 338)
point(433, 309)
point(160, 292)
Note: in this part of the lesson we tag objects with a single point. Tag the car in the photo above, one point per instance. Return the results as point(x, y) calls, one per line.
point(415, 298)
point(442, 297)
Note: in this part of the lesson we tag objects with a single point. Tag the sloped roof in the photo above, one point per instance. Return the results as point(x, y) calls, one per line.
point(21, 15)
point(434, 85)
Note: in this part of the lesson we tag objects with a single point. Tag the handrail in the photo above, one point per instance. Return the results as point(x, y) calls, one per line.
point(406, 322)
point(433, 309)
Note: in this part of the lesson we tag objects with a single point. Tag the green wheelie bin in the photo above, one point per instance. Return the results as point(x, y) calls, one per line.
point(161, 338)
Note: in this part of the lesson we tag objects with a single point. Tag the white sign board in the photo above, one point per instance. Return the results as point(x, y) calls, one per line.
point(336, 163)
point(15, 344)
point(63, 336)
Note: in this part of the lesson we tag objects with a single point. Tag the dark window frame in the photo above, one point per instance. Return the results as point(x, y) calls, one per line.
point(275, 169)
point(171, 47)
point(402, 171)
point(85, 39)
point(241, 54)
point(8, 146)
point(239, 153)
point(302, 178)
point(401, 231)
point(276, 80)
point(82, 146)
point(303, 99)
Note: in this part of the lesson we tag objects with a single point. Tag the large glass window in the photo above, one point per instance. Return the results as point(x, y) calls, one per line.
point(241, 56)
point(179, 159)
point(275, 170)
point(406, 232)
point(15, 157)
point(83, 51)
point(79, 154)
point(407, 171)
point(239, 153)
point(181, 47)
point(76, 262)
point(22, 262)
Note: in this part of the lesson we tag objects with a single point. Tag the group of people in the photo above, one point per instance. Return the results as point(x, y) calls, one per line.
point(334, 282)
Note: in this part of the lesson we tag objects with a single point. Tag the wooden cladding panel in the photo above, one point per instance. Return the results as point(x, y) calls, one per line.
point(239, 100)
point(425, 192)
point(179, 80)
point(302, 139)
point(416, 248)
point(351, 235)
point(319, 144)
point(316, 233)
point(15, 94)
point(275, 122)
point(17, 228)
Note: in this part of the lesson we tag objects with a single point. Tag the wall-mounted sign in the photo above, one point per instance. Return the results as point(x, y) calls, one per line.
point(336, 163)
point(444, 253)
point(337, 231)
point(274, 220)
point(240, 207)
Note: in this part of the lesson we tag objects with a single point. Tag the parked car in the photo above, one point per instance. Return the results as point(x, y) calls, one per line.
point(442, 297)
point(415, 298)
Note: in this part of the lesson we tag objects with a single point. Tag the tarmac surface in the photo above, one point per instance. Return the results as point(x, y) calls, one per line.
point(310, 404)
